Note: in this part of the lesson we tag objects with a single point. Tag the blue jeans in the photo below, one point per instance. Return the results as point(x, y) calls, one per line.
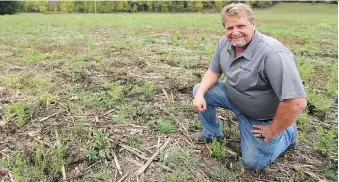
point(255, 154)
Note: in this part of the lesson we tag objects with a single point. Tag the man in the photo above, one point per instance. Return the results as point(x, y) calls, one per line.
point(262, 88)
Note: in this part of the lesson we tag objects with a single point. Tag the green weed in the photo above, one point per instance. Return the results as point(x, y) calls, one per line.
point(115, 91)
point(324, 142)
point(47, 99)
point(218, 149)
point(35, 56)
point(165, 127)
point(302, 121)
point(320, 101)
point(177, 158)
point(222, 174)
point(20, 109)
point(305, 69)
point(99, 147)
point(134, 141)
point(40, 165)
point(79, 129)
point(148, 88)
point(32, 84)
point(178, 176)
point(332, 83)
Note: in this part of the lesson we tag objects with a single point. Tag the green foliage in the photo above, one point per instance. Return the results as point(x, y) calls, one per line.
point(332, 83)
point(115, 91)
point(178, 176)
point(47, 99)
point(8, 7)
point(40, 165)
point(178, 158)
point(222, 174)
point(32, 84)
point(148, 88)
point(165, 127)
point(20, 109)
point(134, 141)
point(218, 149)
point(320, 101)
point(99, 147)
point(79, 130)
point(324, 142)
point(35, 56)
point(305, 69)
point(302, 121)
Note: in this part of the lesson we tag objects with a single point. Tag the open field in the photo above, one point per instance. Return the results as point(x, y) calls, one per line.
point(84, 92)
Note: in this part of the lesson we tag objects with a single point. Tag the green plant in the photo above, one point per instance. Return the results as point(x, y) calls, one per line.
point(148, 88)
point(320, 101)
point(90, 44)
point(222, 174)
point(324, 142)
point(35, 56)
point(115, 91)
point(20, 109)
point(99, 147)
point(305, 69)
point(178, 176)
point(332, 83)
point(47, 99)
point(134, 140)
point(302, 121)
point(40, 165)
point(218, 150)
point(165, 127)
point(178, 158)
point(79, 129)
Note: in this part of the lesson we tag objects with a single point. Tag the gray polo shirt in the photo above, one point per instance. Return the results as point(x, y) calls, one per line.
point(262, 76)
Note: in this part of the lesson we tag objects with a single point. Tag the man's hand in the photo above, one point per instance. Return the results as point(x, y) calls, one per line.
point(263, 131)
point(199, 103)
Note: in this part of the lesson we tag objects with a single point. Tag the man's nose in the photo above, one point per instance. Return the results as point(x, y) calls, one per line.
point(235, 32)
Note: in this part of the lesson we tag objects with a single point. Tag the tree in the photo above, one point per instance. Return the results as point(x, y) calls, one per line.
point(8, 7)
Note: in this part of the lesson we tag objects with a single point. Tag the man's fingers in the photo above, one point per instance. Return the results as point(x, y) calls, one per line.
point(257, 135)
point(256, 131)
point(258, 126)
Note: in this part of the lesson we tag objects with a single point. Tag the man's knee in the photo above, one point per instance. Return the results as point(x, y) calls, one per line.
point(195, 89)
point(255, 163)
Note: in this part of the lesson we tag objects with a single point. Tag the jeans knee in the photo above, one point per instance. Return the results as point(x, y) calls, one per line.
point(195, 89)
point(254, 163)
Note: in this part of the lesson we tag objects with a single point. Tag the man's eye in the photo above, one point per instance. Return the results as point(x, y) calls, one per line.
point(229, 28)
point(241, 26)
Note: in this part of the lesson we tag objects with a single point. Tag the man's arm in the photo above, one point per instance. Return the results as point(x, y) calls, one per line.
point(287, 113)
point(208, 81)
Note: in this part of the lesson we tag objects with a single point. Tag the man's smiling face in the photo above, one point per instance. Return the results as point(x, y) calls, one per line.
point(239, 30)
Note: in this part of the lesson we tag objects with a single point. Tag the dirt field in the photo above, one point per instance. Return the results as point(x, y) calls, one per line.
point(89, 97)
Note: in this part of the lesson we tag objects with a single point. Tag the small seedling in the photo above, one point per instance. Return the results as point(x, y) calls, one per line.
point(99, 146)
point(218, 150)
point(165, 127)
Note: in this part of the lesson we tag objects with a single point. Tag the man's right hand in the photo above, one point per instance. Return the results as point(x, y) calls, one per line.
point(199, 103)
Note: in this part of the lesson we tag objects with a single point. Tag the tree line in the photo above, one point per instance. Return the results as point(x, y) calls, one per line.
point(11, 7)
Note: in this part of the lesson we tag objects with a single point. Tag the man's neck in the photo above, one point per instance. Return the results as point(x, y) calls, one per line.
point(240, 50)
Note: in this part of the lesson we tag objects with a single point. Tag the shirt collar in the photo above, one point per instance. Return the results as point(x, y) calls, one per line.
point(250, 48)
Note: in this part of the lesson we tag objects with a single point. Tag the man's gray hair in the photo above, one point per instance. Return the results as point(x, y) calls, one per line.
point(237, 10)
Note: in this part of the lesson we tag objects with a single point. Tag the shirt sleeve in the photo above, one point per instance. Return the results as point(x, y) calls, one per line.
point(282, 73)
point(215, 62)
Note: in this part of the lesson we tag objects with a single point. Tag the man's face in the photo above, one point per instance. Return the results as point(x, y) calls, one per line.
point(239, 31)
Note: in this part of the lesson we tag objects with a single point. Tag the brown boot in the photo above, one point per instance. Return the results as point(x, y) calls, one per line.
point(199, 138)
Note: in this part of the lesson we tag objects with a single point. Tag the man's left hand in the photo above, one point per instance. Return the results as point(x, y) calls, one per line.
point(263, 131)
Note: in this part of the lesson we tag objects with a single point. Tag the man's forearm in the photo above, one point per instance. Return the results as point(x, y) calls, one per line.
point(287, 113)
point(208, 81)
